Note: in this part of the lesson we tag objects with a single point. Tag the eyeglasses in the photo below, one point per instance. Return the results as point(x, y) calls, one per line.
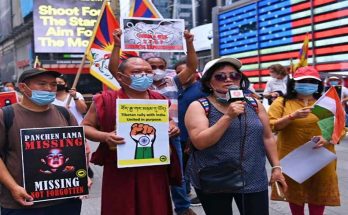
point(139, 75)
point(235, 76)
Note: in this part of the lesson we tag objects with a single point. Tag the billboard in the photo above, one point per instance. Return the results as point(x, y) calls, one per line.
point(266, 32)
point(64, 26)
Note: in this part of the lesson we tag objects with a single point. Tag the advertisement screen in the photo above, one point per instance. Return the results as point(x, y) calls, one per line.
point(64, 26)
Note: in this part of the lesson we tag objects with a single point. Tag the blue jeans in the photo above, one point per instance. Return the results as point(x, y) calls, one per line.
point(179, 194)
point(69, 207)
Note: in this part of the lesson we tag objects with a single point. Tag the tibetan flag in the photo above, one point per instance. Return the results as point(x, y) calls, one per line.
point(144, 8)
point(37, 63)
point(303, 55)
point(331, 115)
point(101, 45)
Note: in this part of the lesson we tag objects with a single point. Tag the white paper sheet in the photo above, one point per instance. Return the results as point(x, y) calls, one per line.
point(305, 161)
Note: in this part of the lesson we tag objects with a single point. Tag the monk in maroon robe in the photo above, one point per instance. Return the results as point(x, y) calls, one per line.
point(129, 191)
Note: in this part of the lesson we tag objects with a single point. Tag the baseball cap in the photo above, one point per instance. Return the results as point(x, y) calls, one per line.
point(306, 72)
point(230, 60)
point(34, 72)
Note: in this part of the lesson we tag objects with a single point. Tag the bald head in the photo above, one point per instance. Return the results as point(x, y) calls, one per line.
point(133, 62)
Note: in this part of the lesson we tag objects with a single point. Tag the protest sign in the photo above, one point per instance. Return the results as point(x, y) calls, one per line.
point(144, 125)
point(8, 98)
point(153, 35)
point(54, 162)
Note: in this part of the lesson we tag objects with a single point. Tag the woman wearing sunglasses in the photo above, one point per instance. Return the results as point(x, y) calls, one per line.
point(291, 117)
point(224, 131)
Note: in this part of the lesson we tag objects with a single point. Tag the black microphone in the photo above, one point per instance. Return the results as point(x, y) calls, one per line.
point(234, 93)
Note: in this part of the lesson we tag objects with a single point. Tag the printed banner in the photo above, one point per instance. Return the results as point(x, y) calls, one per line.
point(148, 35)
point(144, 125)
point(64, 26)
point(54, 162)
point(8, 98)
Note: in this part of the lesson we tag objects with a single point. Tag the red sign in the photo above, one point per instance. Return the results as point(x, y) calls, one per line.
point(8, 98)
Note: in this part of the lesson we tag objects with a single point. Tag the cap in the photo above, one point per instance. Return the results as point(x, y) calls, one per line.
point(333, 77)
point(34, 72)
point(306, 72)
point(230, 60)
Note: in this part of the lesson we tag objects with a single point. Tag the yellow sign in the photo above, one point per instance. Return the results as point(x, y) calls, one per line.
point(143, 113)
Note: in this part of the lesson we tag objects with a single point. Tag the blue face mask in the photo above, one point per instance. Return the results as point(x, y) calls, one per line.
point(42, 98)
point(306, 89)
point(142, 83)
point(333, 83)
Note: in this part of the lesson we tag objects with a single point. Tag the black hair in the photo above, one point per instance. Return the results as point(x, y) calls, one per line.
point(64, 78)
point(164, 60)
point(244, 82)
point(180, 62)
point(292, 94)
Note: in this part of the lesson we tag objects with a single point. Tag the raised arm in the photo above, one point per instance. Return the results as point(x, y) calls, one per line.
point(115, 54)
point(191, 59)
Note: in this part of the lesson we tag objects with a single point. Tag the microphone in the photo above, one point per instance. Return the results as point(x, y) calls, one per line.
point(234, 93)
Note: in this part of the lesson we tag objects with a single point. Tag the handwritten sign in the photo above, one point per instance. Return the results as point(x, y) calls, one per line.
point(148, 35)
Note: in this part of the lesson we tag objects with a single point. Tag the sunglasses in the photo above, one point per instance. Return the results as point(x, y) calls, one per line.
point(235, 76)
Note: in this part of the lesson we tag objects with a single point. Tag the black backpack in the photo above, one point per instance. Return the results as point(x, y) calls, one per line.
point(9, 115)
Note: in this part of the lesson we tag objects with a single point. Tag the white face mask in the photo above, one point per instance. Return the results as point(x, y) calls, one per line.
point(159, 74)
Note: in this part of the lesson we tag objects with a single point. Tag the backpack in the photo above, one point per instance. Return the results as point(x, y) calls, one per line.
point(9, 115)
point(206, 106)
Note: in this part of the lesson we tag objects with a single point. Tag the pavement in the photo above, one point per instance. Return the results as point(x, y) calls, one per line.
point(91, 206)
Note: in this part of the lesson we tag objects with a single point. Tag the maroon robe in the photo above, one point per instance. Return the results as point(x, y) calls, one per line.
point(137, 190)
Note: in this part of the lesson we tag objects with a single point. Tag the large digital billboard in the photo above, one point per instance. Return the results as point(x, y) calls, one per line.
point(64, 26)
point(266, 32)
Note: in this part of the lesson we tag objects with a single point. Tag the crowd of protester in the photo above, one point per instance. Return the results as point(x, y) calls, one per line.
point(211, 134)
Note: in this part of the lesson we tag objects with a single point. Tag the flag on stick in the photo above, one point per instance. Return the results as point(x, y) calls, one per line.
point(303, 55)
point(331, 115)
point(144, 8)
point(101, 45)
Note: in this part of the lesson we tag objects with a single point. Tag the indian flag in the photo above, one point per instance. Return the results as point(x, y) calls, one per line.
point(331, 115)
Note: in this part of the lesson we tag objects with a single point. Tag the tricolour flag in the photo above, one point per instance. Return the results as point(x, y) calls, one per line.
point(331, 115)
point(144, 8)
point(303, 55)
point(101, 45)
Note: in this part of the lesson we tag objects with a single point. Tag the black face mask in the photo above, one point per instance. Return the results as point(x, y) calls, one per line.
point(61, 87)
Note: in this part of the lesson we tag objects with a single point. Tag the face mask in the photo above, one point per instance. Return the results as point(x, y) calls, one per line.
point(333, 83)
point(220, 96)
point(306, 89)
point(141, 83)
point(159, 74)
point(60, 87)
point(42, 98)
